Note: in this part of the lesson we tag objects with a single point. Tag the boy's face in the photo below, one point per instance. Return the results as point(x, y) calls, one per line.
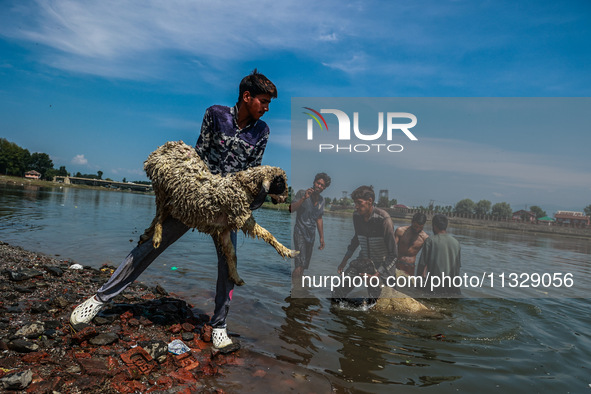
point(319, 185)
point(256, 105)
point(417, 228)
point(363, 207)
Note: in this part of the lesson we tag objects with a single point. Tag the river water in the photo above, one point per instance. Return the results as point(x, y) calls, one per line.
point(532, 339)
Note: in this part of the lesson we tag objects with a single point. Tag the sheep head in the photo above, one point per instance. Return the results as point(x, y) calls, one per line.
point(276, 188)
point(261, 181)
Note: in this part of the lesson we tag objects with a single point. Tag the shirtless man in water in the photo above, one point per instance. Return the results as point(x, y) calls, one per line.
point(410, 240)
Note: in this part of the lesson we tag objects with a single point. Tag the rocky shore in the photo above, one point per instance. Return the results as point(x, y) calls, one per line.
point(129, 347)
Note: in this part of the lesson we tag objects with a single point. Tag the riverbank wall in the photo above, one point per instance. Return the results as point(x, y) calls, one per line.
point(488, 222)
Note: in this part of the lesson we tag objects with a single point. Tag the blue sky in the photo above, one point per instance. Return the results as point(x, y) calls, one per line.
point(98, 85)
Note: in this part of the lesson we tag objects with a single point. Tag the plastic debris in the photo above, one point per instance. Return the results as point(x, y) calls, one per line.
point(75, 267)
point(178, 347)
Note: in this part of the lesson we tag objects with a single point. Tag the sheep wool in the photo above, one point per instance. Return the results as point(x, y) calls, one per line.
point(186, 190)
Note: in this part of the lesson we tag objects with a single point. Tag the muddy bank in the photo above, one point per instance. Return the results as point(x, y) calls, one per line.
point(124, 350)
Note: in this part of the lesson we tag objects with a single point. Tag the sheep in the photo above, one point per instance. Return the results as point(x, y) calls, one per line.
point(213, 204)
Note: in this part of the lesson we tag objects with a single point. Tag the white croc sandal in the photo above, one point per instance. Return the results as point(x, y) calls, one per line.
point(85, 312)
point(220, 338)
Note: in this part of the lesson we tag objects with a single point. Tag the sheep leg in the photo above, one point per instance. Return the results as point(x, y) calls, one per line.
point(156, 226)
point(252, 228)
point(149, 232)
point(225, 243)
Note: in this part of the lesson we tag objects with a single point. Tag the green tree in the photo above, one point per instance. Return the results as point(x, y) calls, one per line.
point(41, 162)
point(14, 160)
point(465, 206)
point(482, 207)
point(588, 210)
point(539, 212)
point(100, 174)
point(124, 180)
point(346, 202)
point(62, 171)
point(502, 209)
point(383, 202)
point(50, 173)
point(393, 202)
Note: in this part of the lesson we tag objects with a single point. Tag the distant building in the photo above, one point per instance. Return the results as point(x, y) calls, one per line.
point(32, 174)
point(546, 220)
point(523, 215)
point(571, 218)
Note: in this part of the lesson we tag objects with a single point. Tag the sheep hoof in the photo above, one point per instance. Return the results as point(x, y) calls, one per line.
point(237, 281)
point(156, 244)
point(289, 253)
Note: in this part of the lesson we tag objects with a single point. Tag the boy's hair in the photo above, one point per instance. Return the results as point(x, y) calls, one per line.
point(324, 177)
point(364, 193)
point(419, 218)
point(256, 83)
point(440, 221)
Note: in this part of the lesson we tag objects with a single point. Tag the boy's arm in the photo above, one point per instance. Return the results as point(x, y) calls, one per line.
point(424, 257)
point(259, 149)
point(320, 226)
point(205, 135)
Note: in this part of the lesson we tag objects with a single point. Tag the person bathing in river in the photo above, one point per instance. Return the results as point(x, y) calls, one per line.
point(410, 240)
point(374, 234)
point(232, 139)
point(309, 205)
point(441, 255)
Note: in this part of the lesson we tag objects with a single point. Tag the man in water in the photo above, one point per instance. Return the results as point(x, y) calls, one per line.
point(232, 139)
point(374, 234)
point(441, 257)
point(410, 240)
point(309, 205)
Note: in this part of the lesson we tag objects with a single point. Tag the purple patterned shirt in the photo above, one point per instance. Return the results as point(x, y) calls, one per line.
point(226, 148)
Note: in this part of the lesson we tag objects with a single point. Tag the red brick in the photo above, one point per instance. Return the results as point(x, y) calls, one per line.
point(186, 361)
point(209, 370)
point(199, 344)
point(183, 376)
point(34, 358)
point(85, 334)
point(145, 321)
point(140, 359)
point(45, 386)
point(95, 367)
point(127, 315)
point(164, 382)
point(206, 332)
point(112, 362)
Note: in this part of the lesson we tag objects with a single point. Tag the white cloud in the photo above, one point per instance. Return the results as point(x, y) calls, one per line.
point(328, 37)
point(113, 37)
point(79, 160)
point(519, 169)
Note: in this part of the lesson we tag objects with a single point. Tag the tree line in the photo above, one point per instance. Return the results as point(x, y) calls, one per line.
point(483, 207)
point(15, 161)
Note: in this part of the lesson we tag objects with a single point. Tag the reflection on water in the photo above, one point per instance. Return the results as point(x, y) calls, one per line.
point(307, 345)
point(297, 330)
